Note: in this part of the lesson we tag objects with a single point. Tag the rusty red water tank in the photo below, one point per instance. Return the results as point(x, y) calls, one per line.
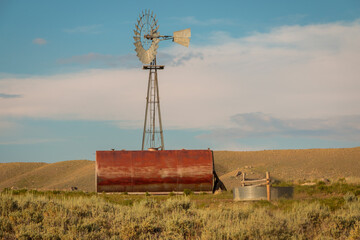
point(154, 171)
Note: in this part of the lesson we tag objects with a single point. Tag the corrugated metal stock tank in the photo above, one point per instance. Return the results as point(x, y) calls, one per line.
point(154, 171)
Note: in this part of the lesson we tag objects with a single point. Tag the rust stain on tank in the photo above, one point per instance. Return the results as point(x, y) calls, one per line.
point(154, 171)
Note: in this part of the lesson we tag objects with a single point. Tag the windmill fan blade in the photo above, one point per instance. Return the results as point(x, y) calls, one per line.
point(137, 44)
point(136, 39)
point(155, 23)
point(144, 58)
point(139, 55)
point(154, 52)
point(136, 33)
point(155, 30)
point(137, 27)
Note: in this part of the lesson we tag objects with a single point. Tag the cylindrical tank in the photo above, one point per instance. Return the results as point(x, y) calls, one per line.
point(259, 193)
point(154, 171)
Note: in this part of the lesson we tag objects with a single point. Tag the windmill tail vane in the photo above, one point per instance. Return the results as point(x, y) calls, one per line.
point(181, 37)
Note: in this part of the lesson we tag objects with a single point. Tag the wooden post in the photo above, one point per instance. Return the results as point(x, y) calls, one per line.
point(243, 180)
point(268, 190)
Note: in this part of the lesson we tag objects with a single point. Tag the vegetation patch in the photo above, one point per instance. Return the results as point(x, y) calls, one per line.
point(78, 215)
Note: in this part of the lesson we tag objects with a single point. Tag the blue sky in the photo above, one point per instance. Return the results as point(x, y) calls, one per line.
point(257, 75)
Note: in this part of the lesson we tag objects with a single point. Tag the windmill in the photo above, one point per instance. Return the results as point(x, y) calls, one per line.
point(146, 41)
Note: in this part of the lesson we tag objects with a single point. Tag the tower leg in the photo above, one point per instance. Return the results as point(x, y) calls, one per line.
point(146, 111)
point(159, 112)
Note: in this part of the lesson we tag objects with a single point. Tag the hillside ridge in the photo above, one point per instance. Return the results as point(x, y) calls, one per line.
point(296, 165)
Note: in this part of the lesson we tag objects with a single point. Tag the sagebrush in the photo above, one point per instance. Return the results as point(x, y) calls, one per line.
point(90, 216)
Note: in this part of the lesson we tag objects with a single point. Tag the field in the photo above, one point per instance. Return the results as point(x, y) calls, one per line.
point(317, 212)
point(35, 201)
point(60, 175)
point(296, 166)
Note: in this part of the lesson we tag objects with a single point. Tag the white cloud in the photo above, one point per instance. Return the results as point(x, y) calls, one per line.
point(39, 41)
point(95, 94)
point(98, 60)
point(292, 72)
point(264, 125)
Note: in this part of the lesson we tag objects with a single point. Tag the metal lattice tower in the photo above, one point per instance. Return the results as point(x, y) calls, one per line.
point(153, 133)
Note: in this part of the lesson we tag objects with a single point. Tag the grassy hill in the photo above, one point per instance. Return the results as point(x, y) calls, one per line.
point(11, 170)
point(286, 165)
point(60, 175)
point(290, 165)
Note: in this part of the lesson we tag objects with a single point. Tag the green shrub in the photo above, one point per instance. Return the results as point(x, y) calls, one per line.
point(187, 192)
point(357, 192)
point(355, 231)
point(350, 197)
point(177, 204)
point(282, 184)
point(342, 180)
point(333, 203)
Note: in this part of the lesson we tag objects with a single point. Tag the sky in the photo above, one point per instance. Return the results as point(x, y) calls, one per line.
point(257, 75)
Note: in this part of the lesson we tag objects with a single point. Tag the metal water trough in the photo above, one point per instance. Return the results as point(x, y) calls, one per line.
point(155, 171)
point(259, 193)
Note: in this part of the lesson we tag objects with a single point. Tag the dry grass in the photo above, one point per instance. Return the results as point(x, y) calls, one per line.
point(60, 175)
point(44, 216)
point(291, 165)
point(11, 170)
